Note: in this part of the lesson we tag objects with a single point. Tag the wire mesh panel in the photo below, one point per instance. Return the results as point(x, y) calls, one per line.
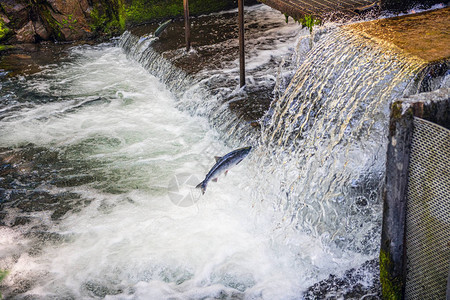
point(428, 212)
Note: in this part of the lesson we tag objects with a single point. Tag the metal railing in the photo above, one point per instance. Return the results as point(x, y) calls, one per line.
point(415, 243)
point(427, 229)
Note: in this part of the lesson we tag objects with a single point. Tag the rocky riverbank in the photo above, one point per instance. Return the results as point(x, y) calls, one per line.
point(23, 21)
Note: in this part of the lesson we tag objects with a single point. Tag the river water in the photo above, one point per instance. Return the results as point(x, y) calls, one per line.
point(99, 160)
point(103, 137)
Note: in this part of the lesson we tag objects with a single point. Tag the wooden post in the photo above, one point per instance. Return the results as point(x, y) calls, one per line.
point(187, 25)
point(241, 42)
point(394, 204)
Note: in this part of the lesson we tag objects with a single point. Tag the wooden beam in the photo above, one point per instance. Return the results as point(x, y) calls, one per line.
point(394, 204)
point(241, 43)
point(187, 25)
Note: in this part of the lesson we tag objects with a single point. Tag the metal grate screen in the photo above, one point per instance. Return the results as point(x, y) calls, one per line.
point(428, 212)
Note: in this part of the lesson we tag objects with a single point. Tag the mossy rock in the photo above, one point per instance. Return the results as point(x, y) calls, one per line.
point(4, 31)
point(5, 47)
point(72, 19)
point(113, 16)
point(141, 11)
point(107, 17)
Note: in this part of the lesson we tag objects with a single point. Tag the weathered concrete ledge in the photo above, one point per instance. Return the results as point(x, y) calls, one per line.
point(425, 35)
point(326, 9)
point(298, 9)
point(214, 39)
point(432, 106)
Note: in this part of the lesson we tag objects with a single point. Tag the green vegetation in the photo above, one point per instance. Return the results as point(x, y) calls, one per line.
point(68, 22)
point(108, 17)
point(99, 20)
point(111, 17)
point(309, 22)
point(4, 31)
point(54, 26)
point(121, 14)
point(391, 288)
point(140, 11)
point(3, 274)
point(4, 48)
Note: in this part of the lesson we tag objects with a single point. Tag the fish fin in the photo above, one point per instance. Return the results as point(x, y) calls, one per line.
point(217, 158)
point(226, 172)
point(238, 162)
point(215, 179)
point(201, 186)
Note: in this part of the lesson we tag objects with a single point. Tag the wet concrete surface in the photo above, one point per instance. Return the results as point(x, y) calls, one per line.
point(215, 51)
point(425, 35)
point(300, 8)
point(215, 43)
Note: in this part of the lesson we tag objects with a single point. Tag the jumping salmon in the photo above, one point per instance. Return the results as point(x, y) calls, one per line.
point(161, 28)
point(223, 164)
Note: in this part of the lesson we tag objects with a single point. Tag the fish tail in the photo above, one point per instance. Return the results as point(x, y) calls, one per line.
point(202, 186)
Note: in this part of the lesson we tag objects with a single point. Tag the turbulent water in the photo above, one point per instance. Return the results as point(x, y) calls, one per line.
point(329, 130)
point(100, 159)
point(105, 136)
point(114, 128)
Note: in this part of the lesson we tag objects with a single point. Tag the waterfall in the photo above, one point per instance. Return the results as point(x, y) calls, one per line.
point(327, 138)
point(140, 50)
point(323, 141)
point(202, 94)
point(92, 147)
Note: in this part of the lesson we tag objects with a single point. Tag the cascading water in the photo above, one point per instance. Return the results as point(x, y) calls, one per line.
point(91, 147)
point(328, 131)
point(102, 138)
point(212, 90)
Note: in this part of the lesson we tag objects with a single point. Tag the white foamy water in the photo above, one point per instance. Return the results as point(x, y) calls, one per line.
point(110, 121)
